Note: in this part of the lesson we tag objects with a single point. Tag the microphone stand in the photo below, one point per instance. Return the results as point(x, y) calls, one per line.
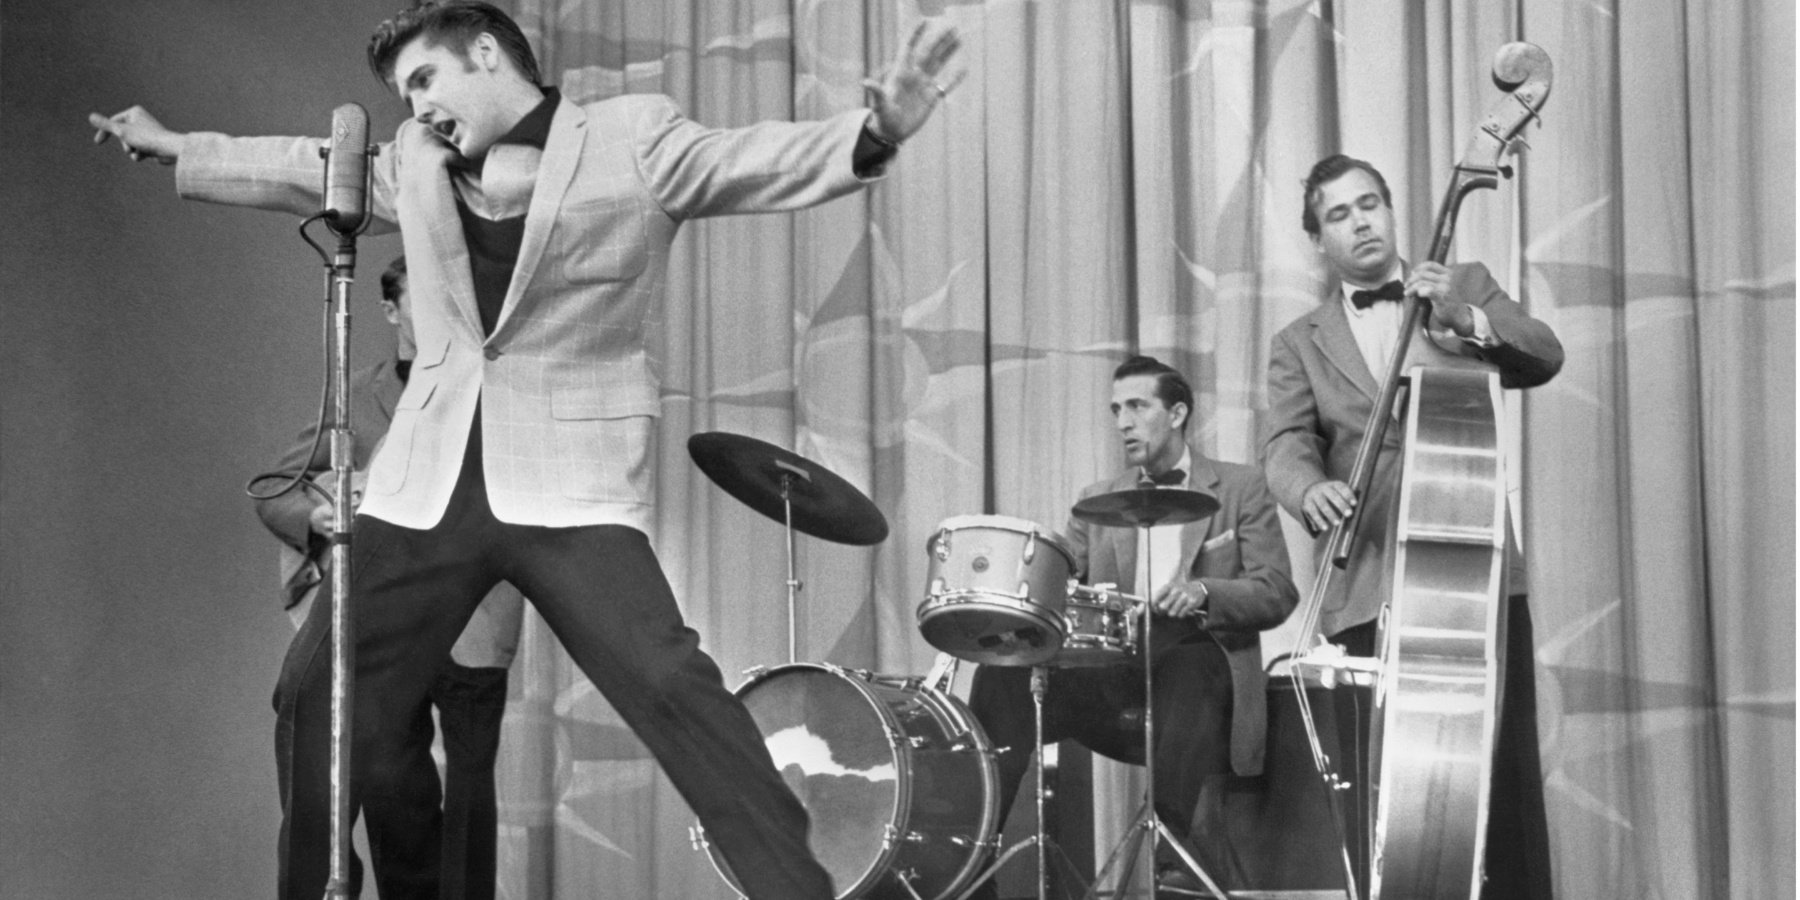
point(339, 276)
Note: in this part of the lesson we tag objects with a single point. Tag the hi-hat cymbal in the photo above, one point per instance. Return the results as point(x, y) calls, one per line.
point(1146, 507)
point(824, 505)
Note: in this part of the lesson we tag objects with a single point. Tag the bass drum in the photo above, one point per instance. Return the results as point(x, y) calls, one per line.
point(898, 778)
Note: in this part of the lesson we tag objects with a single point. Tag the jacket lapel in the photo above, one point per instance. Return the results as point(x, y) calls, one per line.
point(562, 150)
point(1203, 478)
point(1332, 335)
point(429, 181)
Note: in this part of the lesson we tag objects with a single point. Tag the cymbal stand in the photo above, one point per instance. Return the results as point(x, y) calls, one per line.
point(1040, 681)
point(788, 475)
point(1148, 825)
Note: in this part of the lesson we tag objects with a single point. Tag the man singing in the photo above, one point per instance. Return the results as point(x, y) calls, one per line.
point(537, 233)
point(1325, 371)
point(1215, 585)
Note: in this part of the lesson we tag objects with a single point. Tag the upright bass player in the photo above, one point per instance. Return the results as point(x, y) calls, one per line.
point(1325, 372)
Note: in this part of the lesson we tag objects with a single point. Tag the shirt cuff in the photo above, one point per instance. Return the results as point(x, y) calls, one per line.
point(1483, 334)
point(872, 153)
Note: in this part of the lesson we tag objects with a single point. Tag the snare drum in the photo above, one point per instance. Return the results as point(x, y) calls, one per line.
point(1100, 625)
point(897, 777)
point(995, 591)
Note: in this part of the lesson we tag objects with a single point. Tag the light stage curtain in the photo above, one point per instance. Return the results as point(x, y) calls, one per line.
point(1118, 177)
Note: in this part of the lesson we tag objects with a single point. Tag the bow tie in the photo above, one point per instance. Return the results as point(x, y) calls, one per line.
point(1171, 478)
point(1393, 290)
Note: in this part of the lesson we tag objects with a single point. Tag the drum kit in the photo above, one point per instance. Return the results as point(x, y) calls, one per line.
point(895, 772)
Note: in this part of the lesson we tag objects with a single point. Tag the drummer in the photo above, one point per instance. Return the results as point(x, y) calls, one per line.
point(1215, 584)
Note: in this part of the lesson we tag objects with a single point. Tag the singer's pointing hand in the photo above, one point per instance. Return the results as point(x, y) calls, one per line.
point(139, 134)
point(904, 98)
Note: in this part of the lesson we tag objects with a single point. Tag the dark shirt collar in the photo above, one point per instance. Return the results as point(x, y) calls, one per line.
point(531, 131)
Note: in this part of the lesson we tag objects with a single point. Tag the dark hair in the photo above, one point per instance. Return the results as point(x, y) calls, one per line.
point(1171, 387)
point(393, 280)
point(1329, 169)
point(452, 23)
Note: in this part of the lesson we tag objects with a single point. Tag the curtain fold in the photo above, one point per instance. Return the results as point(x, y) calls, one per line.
point(1125, 177)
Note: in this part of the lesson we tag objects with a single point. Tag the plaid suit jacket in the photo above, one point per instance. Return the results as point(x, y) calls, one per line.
point(568, 383)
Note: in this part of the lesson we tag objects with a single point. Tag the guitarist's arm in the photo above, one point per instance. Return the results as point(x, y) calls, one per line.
point(292, 516)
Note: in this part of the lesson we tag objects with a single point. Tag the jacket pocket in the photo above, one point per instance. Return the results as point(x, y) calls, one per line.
point(602, 447)
point(601, 240)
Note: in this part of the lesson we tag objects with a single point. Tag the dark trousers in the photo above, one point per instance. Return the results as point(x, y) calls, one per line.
point(1518, 835)
point(470, 704)
point(1101, 708)
point(603, 593)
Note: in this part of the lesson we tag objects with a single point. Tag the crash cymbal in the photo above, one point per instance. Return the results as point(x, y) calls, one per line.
point(1146, 507)
point(824, 505)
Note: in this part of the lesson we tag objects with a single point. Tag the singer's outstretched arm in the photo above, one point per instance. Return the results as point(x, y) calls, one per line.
point(281, 174)
point(140, 135)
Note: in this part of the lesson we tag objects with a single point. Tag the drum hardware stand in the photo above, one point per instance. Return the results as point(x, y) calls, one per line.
point(1148, 825)
point(788, 474)
point(941, 675)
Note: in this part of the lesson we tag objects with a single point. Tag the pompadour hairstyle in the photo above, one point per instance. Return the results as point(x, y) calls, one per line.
point(449, 23)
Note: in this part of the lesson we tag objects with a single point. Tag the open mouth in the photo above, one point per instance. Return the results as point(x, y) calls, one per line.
point(445, 129)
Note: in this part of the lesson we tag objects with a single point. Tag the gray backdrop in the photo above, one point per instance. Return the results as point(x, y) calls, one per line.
point(156, 353)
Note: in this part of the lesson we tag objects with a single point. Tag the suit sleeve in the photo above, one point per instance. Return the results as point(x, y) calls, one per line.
point(1078, 537)
point(1528, 353)
point(1294, 444)
point(279, 174)
point(1263, 594)
point(289, 516)
point(695, 171)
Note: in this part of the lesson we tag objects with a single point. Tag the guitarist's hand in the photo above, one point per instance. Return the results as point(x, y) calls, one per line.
point(321, 514)
point(1326, 504)
point(321, 519)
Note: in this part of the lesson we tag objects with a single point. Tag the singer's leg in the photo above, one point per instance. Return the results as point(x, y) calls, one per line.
point(601, 589)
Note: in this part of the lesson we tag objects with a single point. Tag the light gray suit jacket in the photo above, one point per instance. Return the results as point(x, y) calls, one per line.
point(1320, 394)
point(569, 381)
point(492, 636)
point(1238, 553)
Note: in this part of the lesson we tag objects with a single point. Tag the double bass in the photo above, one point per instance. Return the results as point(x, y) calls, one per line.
point(1437, 679)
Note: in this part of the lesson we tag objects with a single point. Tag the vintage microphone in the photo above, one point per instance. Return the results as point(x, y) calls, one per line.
point(346, 213)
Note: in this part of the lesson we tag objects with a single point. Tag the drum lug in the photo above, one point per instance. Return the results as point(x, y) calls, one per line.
point(1030, 551)
point(940, 546)
point(756, 671)
point(697, 838)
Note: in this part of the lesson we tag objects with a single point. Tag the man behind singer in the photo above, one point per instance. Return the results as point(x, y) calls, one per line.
point(1325, 370)
point(468, 693)
point(537, 233)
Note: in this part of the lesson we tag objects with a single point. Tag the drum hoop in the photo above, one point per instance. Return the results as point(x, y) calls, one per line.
point(903, 775)
point(951, 600)
point(1002, 523)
